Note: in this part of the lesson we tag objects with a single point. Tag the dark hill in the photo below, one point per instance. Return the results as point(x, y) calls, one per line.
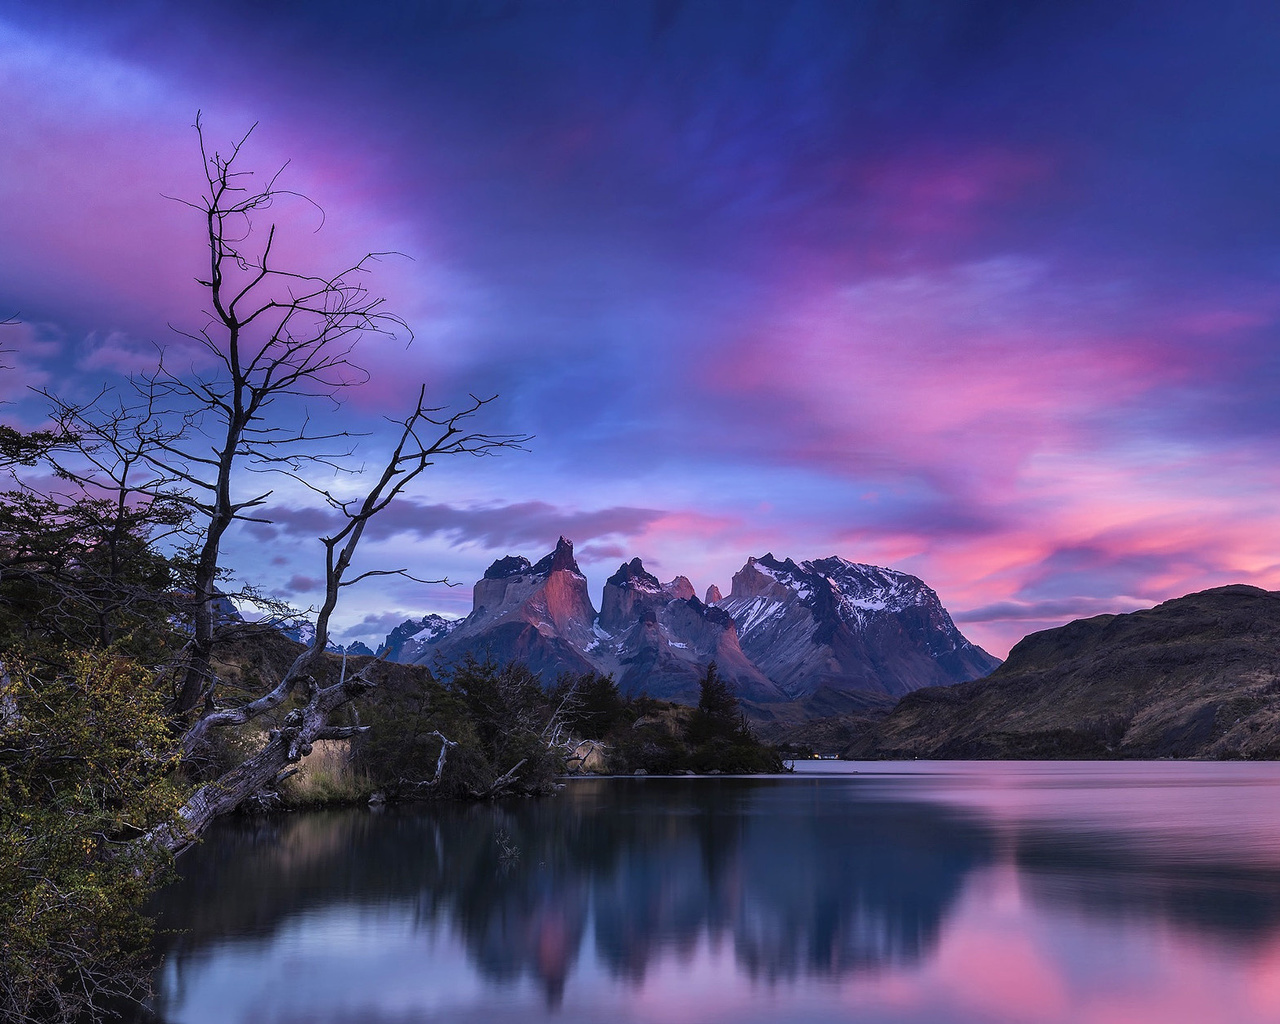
point(1198, 676)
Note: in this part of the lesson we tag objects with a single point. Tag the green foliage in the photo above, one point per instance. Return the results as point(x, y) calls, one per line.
point(596, 708)
point(718, 715)
point(497, 716)
point(500, 716)
point(662, 739)
point(84, 769)
point(653, 744)
point(26, 449)
point(86, 572)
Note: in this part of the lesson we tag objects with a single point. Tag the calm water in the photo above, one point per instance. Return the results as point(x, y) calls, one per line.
point(940, 892)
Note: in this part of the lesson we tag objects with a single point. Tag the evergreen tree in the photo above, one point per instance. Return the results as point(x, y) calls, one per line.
point(718, 714)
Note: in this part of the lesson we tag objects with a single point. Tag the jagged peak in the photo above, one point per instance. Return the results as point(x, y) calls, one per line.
point(713, 595)
point(512, 565)
point(768, 565)
point(633, 575)
point(770, 562)
point(560, 558)
point(679, 589)
point(835, 581)
point(834, 565)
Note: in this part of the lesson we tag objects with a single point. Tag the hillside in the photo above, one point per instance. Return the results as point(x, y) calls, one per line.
point(1198, 676)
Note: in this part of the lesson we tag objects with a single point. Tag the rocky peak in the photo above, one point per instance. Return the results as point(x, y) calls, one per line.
point(717, 616)
point(786, 627)
point(630, 594)
point(632, 574)
point(679, 589)
point(834, 623)
point(560, 558)
point(768, 578)
point(410, 639)
point(512, 565)
point(786, 569)
point(871, 586)
point(510, 582)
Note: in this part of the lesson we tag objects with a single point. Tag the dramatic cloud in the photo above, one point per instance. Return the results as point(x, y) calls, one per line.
point(493, 527)
point(955, 291)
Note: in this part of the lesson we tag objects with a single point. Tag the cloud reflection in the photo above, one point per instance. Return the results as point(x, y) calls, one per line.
point(908, 897)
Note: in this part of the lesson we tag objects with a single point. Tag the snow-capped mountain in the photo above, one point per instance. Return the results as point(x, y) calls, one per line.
point(409, 640)
point(785, 631)
point(847, 626)
point(662, 638)
point(303, 631)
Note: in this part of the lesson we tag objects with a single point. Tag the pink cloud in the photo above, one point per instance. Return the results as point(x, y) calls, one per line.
point(929, 194)
point(91, 146)
point(23, 351)
point(997, 412)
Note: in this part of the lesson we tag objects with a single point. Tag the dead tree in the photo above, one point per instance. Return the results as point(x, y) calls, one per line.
point(425, 436)
point(280, 340)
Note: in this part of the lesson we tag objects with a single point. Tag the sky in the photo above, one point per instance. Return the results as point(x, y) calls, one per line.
point(985, 292)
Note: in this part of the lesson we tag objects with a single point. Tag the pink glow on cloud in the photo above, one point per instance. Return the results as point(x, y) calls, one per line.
point(1009, 399)
point(933, 195)
point(988, 383)
point(105, 239)
point(909, 369)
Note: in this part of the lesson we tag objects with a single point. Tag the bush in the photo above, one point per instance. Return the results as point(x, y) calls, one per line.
point(496, 717)
point(83, 771)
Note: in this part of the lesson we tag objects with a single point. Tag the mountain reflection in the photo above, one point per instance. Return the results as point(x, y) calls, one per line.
point(798, 882)
point(794, 878)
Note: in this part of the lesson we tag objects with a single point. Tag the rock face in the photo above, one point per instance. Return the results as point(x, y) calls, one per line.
point(539, 614)
point(662, 638)
point(1198, 676)
point(843, 626)
point(785, 631)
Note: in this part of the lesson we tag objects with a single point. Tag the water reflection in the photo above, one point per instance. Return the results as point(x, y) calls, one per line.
point(975, 892)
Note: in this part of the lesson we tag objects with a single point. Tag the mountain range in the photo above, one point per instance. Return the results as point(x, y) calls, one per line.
point(828, 633)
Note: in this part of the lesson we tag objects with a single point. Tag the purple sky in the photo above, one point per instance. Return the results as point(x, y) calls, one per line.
point(987, 292)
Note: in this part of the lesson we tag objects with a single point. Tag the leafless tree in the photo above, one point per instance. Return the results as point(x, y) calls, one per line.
point(425, 436)
point(280, 340)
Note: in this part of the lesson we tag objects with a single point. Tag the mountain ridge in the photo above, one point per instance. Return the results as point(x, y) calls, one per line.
point(787, 631)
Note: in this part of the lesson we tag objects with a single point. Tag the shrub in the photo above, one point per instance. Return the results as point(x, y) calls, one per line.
point(84, 770)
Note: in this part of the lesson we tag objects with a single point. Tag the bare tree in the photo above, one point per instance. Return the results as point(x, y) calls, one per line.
point(425, 437)
point(280, 340)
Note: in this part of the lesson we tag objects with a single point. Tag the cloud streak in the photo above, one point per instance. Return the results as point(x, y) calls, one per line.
point(815, 279)
point(492, 527)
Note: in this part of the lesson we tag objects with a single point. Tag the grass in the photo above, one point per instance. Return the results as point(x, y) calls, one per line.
point(326, 776)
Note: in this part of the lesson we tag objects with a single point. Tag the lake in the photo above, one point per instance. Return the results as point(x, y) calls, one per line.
point(884, 892)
